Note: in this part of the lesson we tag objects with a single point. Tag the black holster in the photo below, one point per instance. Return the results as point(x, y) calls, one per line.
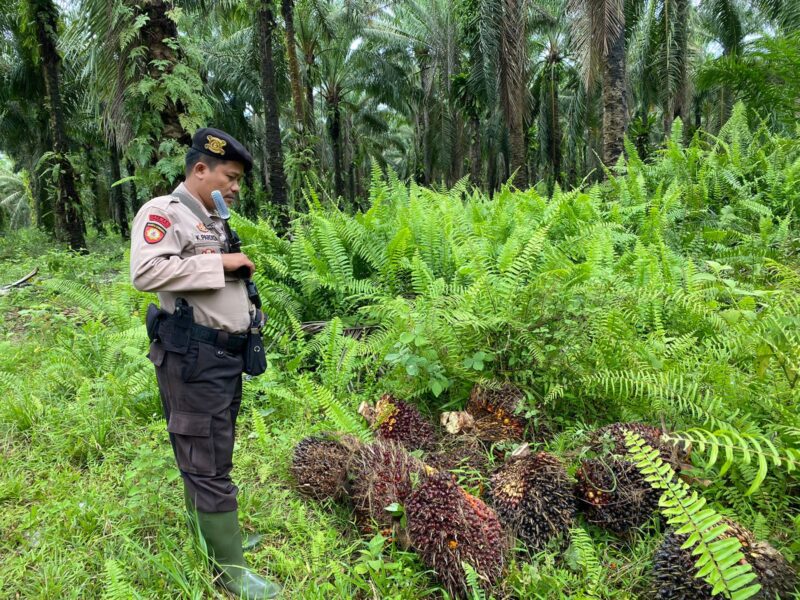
point(172, 331)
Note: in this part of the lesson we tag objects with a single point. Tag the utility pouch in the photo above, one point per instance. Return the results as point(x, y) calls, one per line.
point(175, 330)
point(255, 359)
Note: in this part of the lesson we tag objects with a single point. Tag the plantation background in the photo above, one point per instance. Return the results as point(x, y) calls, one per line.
point(667, 294)
point(594, 200)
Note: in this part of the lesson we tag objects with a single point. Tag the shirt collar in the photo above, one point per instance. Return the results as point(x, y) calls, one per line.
point(182, 188)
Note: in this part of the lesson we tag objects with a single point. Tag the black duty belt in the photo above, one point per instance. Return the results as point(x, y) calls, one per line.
point(221, 339)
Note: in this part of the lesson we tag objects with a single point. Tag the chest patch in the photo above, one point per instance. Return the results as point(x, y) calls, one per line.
point(153, 233)
point(164, 221)
point(201, 227)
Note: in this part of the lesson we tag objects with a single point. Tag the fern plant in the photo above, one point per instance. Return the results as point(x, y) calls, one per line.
point(720, 561)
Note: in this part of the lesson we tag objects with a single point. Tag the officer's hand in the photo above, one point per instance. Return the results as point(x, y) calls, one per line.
point(234, 262)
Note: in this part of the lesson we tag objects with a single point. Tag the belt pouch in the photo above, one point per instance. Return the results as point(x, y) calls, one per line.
point(255, 361)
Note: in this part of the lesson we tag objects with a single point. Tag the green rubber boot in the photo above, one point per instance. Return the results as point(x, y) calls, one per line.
point(224, 541)
point(251, 541)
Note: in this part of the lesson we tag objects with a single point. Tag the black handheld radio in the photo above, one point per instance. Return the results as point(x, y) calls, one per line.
point(236, 246)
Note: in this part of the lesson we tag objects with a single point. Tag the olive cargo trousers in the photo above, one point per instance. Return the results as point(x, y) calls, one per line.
point(201, 392)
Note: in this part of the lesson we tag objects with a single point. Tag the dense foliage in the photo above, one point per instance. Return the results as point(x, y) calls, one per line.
point(667, 294)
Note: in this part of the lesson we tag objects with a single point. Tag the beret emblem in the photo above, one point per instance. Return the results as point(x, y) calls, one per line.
point(216, 145)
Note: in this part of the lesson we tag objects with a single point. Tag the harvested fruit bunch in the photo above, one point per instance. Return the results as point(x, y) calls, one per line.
point(614, 494)
point(533, 497)
point(381, 474)
point(319, 465)
point(674, 568)
point(402, 422)
point(494, 411)
point(612, 438)
point(447, 526)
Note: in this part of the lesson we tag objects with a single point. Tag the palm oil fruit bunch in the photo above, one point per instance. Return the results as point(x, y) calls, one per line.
point(674, 568)
point(533, 497)
point(319, 465)
point(381, 474)
point(611, 438)
point(494, 411)
point(448, 526)
point(402, 422)
point(613, 494)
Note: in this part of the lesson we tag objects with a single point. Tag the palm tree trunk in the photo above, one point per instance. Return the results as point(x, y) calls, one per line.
point(615, 108)
point(427, 146)
point(136, 203)
point(247, 202)
point(513, 85)
point(475, 153)
point(294, 69)
point(336, 145)
point(159, 35)
point(677, 103)
point(69, 221)
point(457, 161)
point(554, 126)
point(277, 177)
point(118, 211)
point(98, 212)
point(309, 114)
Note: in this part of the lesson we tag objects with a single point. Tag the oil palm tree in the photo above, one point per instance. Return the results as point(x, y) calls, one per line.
point(150, 92)
point(553, 86)
point(265, 19)
point(599, 36)
point(24, 131)
point(43, 17)
point(428, 32)
point(513, 83)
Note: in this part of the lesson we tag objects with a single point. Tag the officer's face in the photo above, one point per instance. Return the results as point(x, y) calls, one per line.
point(224, 177)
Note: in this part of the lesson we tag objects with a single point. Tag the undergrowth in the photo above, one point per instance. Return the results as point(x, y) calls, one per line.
point(667, 294)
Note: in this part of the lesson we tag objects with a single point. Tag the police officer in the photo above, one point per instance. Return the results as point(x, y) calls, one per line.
point(180, 249)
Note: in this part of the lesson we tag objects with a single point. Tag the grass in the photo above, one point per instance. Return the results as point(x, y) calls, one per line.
point(90, 500)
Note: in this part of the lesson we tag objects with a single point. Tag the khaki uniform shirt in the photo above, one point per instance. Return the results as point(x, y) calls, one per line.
point(174, 254)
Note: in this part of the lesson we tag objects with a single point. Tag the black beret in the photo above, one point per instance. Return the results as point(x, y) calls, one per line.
point(219, 144)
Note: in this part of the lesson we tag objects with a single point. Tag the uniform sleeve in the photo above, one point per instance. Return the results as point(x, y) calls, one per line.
point(156, 262)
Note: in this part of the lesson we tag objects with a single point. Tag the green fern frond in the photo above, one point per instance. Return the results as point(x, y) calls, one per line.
point(720, 561)
point(729, 445)
point(476, 591)
point(116, 586)
point(583, 547)
point(341, 418)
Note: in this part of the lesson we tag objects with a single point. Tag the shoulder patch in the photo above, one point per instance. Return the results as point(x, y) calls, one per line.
point(153, 233)
point(159, 219)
